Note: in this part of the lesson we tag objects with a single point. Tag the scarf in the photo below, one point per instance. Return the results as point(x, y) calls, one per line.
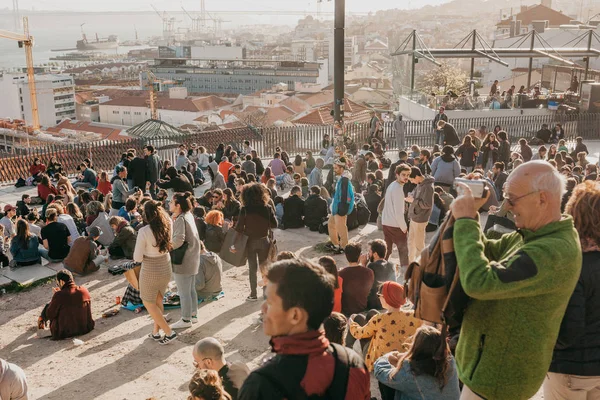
point(311, 342)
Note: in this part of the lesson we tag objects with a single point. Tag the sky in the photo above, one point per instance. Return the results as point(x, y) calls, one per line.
point(193, 5)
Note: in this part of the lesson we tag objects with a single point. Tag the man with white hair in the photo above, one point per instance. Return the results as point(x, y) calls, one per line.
point(209, 354)
point(520, 285)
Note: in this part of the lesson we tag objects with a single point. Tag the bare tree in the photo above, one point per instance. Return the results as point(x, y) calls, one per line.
point(440, 80)
point(257, 118)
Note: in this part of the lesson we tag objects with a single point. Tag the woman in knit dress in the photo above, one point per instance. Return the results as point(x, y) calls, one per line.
point(152, 250)
point(185, 231)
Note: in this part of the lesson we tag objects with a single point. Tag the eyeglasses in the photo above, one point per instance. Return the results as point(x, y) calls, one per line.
point(512, 202)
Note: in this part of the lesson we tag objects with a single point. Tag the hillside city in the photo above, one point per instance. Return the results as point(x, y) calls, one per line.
point(391, 204)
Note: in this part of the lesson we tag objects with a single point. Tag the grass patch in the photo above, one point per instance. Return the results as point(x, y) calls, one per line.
point(15, 287)
point(320, 247)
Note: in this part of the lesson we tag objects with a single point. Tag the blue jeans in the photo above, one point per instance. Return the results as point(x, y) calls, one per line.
point(44, 254)
point(186, 288)
point(439, 137)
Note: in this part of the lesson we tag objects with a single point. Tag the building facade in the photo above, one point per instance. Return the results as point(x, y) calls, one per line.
point(241, 76)
point(55, 97)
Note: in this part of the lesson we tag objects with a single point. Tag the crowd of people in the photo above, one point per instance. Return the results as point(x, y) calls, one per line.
point(528, 273)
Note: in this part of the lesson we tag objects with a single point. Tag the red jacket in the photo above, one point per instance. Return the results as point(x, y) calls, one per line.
point(104, 187)
point(314, 372)
point(44, 191)
point(70, 312)
point(36, 169)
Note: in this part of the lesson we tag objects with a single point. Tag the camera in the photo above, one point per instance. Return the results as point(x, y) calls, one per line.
point(477, 187)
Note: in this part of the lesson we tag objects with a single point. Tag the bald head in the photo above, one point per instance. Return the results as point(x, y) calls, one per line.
point(539, 176)
point(209, 347)
point(534, 192)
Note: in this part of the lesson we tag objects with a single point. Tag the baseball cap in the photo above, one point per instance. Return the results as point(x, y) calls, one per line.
point(8, 208)
point(95, 231)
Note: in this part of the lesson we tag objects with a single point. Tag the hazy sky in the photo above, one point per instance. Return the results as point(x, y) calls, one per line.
point(144, 5)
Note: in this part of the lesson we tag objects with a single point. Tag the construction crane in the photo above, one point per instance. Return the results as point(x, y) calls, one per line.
point(168, 22)
point(26, 40)
point(197, 22)
point(154, 85)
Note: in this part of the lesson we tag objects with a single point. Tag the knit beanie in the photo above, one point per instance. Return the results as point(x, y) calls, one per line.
point(393, 294)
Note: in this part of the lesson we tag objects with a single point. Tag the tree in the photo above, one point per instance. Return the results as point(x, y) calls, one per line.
point(440, 80)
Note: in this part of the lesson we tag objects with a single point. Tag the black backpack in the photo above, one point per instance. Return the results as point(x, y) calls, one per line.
point(290, 388)
point(20, 182)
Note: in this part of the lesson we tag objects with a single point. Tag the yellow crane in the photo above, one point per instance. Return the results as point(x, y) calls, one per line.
point(154, 86)
point(26, 40)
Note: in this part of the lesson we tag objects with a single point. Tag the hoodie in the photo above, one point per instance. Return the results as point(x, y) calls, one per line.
point(422, 205)
point(337, 207)
point(208, 278)
point(219, 180)
point(445, 169)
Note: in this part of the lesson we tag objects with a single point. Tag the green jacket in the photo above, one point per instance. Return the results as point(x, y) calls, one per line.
point(520, 286)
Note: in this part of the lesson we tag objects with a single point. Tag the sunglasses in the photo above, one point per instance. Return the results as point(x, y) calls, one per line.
point(195, 363)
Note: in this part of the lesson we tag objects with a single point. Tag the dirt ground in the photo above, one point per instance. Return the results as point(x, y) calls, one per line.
point(117, 360)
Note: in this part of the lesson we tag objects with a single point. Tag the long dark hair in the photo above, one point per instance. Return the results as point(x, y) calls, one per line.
point(23, 233)
point(298, 160)
point(254, 195)
point(158, 220)
point(423, 355)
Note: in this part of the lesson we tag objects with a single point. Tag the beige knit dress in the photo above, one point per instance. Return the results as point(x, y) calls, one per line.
point(155, 273)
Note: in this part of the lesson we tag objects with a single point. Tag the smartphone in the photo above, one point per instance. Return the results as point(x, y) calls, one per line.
point(477, 187)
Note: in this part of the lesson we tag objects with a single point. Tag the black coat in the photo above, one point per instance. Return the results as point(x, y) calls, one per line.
point(179, 184)
point(373, 200)
point(293, 212)
point(138, 169)
point(577, 350)
point(214, 238)
point(315, 211)
point(450, 135)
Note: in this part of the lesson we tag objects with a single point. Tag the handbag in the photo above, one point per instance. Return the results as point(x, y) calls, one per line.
point(240, 242)
point(178, 253)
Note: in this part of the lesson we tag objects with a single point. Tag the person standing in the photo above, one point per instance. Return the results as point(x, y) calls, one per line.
point(341, 207)
point(393, 220)
point(448, 133)
point(257, 218)
point(185, 234)
point(374, 125)
point(399, 128)
point(153, 169)
point(519, 285)
point(152, 251)
point(445, 168)
point(575, 368)
point(467, 153)
point(419, 211)
point(441, 116)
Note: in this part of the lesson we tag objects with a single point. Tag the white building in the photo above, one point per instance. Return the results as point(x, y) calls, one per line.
point(133, 110)
point(218, 52)
point(55, 97)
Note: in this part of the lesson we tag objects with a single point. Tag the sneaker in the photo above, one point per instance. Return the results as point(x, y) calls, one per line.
point(181, 324)
point(194, 319)
point(338, 250)
point(330, 246)
point(168, 339)
point(251, 298)
point(156, 337)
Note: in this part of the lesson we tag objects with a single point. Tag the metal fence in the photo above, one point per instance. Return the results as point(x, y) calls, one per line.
point(295, 140)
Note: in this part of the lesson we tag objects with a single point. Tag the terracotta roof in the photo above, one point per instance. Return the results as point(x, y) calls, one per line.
point(82, 97)
point(317, 99)
point(295, 104)
point(353, 112)
point(107, 133)
point(190, 105)
point(538, 13)
point(209, 103)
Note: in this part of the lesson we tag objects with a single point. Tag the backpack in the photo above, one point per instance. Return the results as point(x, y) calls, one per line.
point(290, 388)
point(20, 183)
point(432, 282)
